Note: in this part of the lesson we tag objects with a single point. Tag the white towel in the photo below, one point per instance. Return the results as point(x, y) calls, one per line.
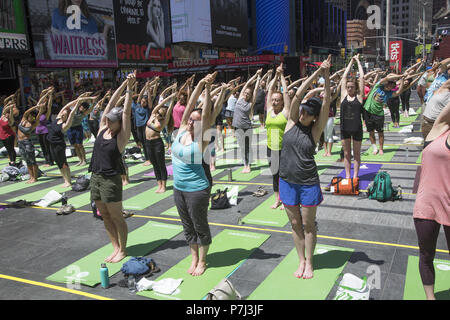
point(164, 286)
point(49, 199)
point(406, 129)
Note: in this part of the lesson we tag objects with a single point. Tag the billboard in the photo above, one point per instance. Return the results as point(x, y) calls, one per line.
point(143, 32)
point(13, 34)
point(230, 23)
point(72, 36)
point(191, 21)
point(272, 34)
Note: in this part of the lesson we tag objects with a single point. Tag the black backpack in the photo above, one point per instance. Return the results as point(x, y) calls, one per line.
point(219, 200)
point(81, 184)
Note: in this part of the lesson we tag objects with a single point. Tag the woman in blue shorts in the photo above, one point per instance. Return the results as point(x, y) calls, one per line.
point(299, 180)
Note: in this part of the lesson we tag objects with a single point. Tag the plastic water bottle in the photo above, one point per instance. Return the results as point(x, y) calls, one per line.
point(131, 283)
point(104, 277)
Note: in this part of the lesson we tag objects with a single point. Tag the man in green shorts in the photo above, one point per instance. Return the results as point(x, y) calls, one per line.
point(373, 108)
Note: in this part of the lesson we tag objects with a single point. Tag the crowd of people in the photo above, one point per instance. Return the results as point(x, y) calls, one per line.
point(186, 121)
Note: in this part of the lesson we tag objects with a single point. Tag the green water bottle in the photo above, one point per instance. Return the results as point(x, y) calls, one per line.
point(104, 277)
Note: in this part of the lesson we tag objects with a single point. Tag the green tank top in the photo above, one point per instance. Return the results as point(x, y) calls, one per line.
point(275, 130)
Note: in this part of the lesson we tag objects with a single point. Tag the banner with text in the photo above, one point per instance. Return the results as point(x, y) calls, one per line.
point(229, 22)
point(143, 32)
point(395, 55)
point(13, 34)
point(73, 36)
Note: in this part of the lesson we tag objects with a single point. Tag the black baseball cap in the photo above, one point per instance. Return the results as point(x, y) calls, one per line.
point(312, 106)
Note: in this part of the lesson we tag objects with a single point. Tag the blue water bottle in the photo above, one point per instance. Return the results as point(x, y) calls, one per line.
point(104, 277)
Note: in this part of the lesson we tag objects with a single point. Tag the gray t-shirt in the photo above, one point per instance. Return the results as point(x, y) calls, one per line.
point(297, 163)
point(77, 119)
point(435, 105)
point(241, 116)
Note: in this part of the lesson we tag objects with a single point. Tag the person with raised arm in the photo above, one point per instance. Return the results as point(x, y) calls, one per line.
point(278, 109)
point(191, 188)
point(106, 182)
point(158, 120)
point(243, 112)
point(7, 135)
point(432, 206)
point(352, 98)
point(299, 179)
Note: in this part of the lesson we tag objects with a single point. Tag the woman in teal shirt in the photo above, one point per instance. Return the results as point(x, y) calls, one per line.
point(191, 186)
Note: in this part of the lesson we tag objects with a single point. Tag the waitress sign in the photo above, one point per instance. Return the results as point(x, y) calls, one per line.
point(395, 55)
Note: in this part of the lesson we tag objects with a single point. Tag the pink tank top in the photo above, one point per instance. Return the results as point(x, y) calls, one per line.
point(177, 114)
point(433, 196)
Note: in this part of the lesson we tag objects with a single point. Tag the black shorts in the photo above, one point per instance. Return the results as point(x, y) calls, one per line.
point(259, 108)
point(58, 152)
point(355, 135)
point(374, 122)
point(219, 120)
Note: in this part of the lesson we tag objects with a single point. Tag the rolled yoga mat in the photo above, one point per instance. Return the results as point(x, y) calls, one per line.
point(413, 283)
point(140, 242)
point(281, 284)
point(228, 250)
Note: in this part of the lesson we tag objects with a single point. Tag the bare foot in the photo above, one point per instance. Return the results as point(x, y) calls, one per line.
point(125, 182)
point(112, 255)
point(282, 207)
point(46, 165)
point(118, 257)
point(276, 204)
point(246, 170)
point(201, 267)
point(380, 152)
point(375, 152)
point(66, 185)
point(146, 163)
point(309, 272)
point(192, 267)
point(212, 168)
point(301, 268)
point(82, 163)
point(31, 181)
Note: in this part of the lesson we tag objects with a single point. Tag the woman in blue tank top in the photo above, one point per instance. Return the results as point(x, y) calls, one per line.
point(299, 180)
point(191, 186)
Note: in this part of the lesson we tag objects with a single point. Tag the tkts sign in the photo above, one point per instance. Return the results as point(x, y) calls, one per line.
point(395, 55)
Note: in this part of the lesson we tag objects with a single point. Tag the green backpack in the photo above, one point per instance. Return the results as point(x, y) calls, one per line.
point(382, 189)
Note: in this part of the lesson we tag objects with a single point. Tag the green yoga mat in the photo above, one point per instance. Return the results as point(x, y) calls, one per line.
point(413, 283)
point(174, 212)
point(237, 174)
point(37, 195)
point(228, 250)
point(389, 152)
point(335, 154)
point(148, 198)
point(419, 159)
point(140, 242)
point(7, 187)
point(281, 284)
point(84, 199)
point(264, 215)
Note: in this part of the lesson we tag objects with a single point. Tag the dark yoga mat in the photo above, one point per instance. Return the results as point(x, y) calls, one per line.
point(366, 176)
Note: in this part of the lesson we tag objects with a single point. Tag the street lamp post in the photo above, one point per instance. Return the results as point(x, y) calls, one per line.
point(424, 50)
point(388, 22)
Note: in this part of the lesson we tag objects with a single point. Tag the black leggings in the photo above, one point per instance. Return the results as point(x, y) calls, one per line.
point(427, 234)
point(141, 136)
point(94, 125)
point(157, 156)
point(45, 147)
point(394, 108)
point(405, 99)
point(274, 160)
point(9, 145)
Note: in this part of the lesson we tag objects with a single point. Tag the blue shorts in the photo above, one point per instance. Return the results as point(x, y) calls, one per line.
point(292, 194)
point(75, 135)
